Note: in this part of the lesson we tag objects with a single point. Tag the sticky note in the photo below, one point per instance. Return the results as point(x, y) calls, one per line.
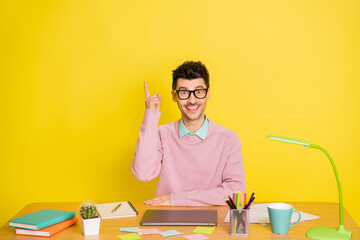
point(204, 230)
point(148, 231)
point(129, 229)
point(170, 233)
point(197, 236)
point(130, 236)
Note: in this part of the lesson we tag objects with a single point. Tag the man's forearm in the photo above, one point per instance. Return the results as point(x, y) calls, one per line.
point(208, 197)
point(147, 159)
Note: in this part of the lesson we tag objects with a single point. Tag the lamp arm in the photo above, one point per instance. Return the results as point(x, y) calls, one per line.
point(337, 180)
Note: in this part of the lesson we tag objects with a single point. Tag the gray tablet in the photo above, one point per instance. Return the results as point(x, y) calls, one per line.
point(179, 218)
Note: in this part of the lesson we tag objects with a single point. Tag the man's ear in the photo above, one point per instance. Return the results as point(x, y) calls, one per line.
point(208, 94)
point(173, 96)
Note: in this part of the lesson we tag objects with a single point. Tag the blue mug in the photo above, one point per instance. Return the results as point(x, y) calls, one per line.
point(280, 216)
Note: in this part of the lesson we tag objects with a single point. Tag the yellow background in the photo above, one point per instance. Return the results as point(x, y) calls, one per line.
point(72, 100)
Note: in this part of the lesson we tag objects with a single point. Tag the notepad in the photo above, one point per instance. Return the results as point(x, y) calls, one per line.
point(125, 210)
point(48, 231)
point(41, 219)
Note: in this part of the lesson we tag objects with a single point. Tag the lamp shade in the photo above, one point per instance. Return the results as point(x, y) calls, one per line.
point(289, 140)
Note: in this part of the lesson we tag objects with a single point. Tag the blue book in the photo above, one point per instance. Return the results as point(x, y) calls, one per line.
point(41, 219)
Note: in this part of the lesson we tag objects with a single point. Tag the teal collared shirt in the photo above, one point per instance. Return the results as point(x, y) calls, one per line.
point(201, 133)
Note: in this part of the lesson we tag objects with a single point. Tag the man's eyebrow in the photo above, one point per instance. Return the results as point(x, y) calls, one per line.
point(198, 87)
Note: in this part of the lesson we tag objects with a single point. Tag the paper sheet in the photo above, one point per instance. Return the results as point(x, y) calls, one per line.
point(170, 233)
point(130, 236)
point(259, 214)
point(148, 231)
point(129, 229)
point(204, 230)
point(197, 236)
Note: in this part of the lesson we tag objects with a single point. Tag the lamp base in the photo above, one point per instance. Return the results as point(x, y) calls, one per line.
point(329, 233)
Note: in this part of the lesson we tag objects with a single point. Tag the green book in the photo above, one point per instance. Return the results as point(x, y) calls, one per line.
point(41, 219)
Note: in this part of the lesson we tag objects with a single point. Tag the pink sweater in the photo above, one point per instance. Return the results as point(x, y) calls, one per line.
point(192, 171)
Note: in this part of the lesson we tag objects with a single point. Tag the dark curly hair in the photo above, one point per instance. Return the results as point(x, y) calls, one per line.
point(190, 70)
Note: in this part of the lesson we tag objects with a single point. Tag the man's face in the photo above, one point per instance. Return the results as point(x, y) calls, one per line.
point(191, 108)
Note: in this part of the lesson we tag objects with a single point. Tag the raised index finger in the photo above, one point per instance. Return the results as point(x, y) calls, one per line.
point(147, 94)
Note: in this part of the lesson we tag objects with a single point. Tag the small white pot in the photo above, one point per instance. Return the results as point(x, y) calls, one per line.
point(90, 226)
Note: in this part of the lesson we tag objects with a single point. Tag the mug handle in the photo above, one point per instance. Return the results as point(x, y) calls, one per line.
point(296, 211)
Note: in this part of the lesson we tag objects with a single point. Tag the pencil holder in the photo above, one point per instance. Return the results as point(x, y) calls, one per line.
point(239, 222)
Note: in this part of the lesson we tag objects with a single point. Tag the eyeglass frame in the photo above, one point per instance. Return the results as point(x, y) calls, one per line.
point(193, 92)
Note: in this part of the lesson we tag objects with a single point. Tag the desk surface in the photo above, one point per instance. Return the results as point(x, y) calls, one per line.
point(109, 228)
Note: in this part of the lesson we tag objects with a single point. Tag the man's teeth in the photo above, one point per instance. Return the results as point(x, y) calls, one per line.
point(192, 107)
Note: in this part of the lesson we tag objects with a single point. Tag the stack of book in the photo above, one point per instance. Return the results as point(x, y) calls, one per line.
point(43, 223)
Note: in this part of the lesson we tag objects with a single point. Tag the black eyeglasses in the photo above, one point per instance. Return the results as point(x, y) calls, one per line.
point(185, 94)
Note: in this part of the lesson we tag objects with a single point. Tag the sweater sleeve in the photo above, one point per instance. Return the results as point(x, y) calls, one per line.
point(148, 156)
point(233, 180)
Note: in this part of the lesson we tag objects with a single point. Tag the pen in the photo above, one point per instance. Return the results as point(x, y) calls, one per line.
point(114, 210)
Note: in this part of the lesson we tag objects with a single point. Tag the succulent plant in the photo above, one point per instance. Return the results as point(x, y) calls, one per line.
point(88, 210)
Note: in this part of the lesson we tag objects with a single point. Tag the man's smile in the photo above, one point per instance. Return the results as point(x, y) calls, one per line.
point(192, 108)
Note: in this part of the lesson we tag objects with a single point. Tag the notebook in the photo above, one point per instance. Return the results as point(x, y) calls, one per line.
point(126, 209)
point(41, 219)
point(48, 231)
point(179, 218)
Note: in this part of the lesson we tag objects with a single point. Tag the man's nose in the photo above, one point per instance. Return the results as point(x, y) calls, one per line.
point(192, 98)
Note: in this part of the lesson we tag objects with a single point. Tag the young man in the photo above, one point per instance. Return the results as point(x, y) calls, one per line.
point(198, 162)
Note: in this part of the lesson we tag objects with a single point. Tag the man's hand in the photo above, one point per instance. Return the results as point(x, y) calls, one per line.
point(161, 200)
point(152, 102)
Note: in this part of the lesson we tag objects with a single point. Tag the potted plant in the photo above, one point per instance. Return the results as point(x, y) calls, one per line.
point(90, 220)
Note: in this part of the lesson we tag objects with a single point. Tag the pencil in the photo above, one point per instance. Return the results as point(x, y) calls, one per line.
point(241, 200)
point(235, 223)
point(238, 200)
point(228, 203)
point(245, 201)
point(232, 203)
point(249, 203)
point(234, 196)
point(252, 195)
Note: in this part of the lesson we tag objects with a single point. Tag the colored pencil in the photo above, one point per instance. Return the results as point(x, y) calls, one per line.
point(238, 201)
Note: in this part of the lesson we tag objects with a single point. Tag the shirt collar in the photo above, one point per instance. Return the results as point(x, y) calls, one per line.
point(201, 133)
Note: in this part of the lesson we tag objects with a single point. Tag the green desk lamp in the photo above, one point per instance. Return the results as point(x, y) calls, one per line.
point(328, 233)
